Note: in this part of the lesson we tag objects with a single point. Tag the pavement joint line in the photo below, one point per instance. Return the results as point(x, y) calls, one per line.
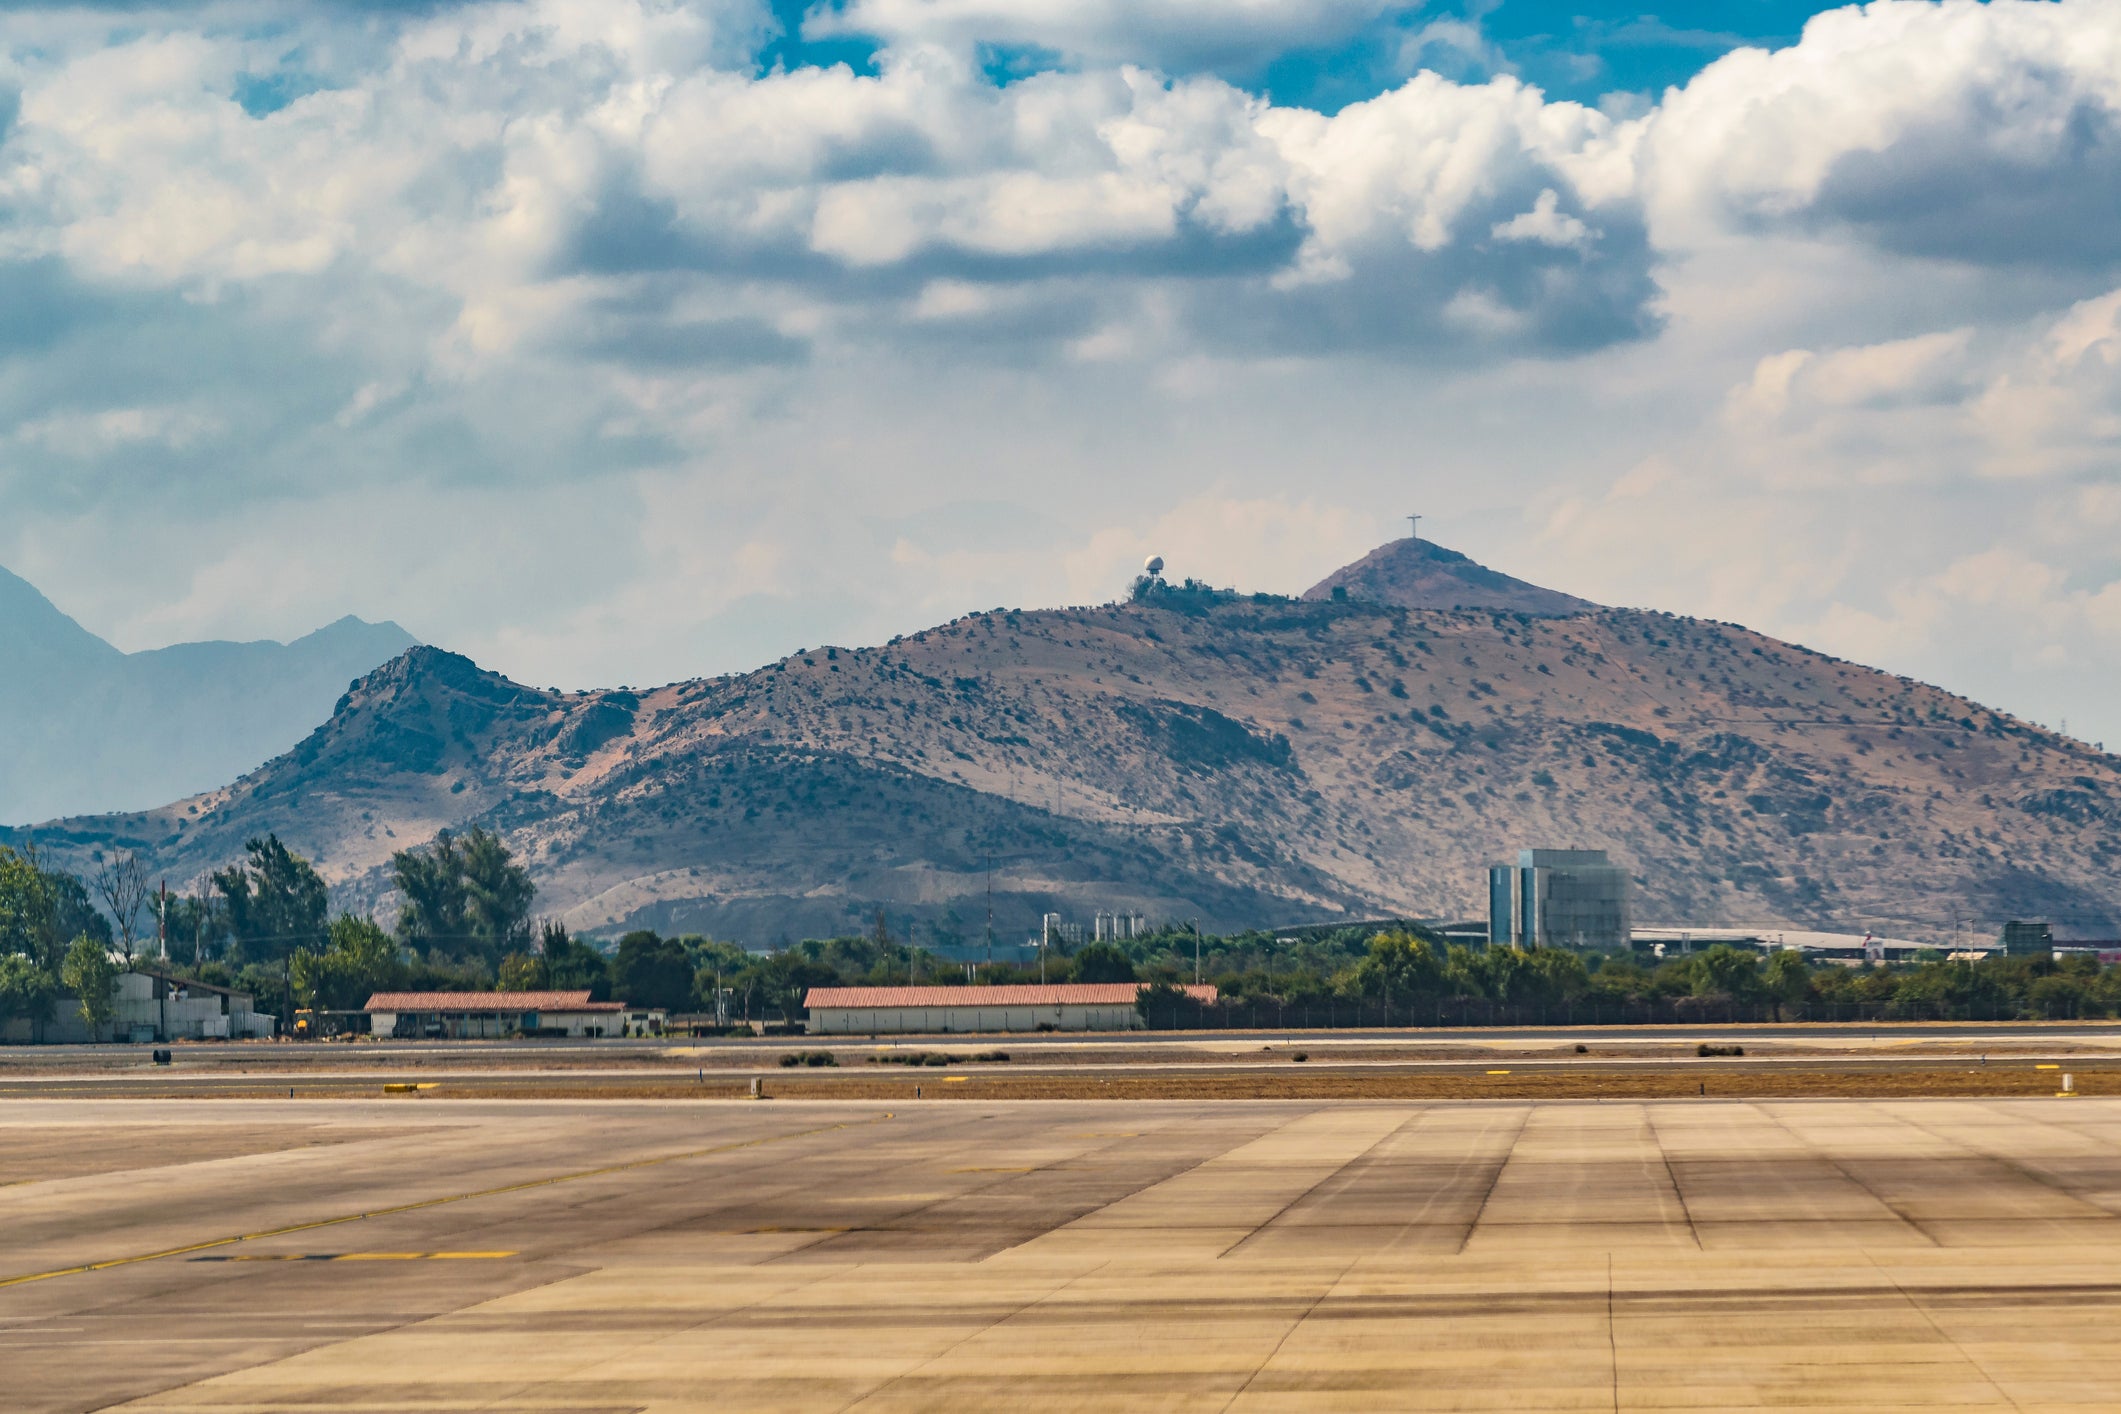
point(28, 1277)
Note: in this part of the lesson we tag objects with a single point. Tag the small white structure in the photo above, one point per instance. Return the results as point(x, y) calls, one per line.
point(461, 1016)
point(155, 1006)
point(1076, 1006)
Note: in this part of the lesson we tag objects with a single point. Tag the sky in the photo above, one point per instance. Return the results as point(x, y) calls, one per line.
point(622, 341)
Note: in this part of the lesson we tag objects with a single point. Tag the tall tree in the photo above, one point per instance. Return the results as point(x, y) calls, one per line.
point(91, 976)
point(27, 909)
point(276, 901)
point(1103, 962)
point(121, 882)
point(652, 971)
point(41, 909)
point(569, 964)
point(463, 897)
point(359, 960)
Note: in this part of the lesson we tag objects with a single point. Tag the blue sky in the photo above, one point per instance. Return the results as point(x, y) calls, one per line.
point(1587, 53)
point(618, 341)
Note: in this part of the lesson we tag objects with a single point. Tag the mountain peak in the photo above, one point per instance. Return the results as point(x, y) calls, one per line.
point(1421, 574)
point(93, 728)
point(32, 624)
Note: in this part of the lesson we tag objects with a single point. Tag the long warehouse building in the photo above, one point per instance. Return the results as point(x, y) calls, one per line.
point(1075, 1006)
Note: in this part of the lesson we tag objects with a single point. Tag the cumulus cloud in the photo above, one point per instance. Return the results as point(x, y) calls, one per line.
point(1957, 130)
point(717, 328)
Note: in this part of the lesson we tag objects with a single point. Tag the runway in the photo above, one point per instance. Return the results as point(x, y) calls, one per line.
point(616, 1255)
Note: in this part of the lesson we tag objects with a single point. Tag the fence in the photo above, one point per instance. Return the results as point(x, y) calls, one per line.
point(1276, 1014)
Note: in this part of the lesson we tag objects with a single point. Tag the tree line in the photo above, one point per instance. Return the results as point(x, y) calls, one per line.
point(1404, 975)
point(466, 922)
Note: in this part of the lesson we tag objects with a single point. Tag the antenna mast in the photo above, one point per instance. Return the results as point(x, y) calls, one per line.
point(1414, 534)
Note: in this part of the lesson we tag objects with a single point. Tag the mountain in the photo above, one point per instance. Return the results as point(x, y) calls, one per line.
point(90, 728)
point(1421, 574)
point(1243, 760)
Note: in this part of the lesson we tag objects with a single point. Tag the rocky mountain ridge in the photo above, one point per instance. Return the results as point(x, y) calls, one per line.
point(1243, 760)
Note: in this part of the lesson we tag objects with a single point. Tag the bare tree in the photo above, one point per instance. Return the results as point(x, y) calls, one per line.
point(121, 882)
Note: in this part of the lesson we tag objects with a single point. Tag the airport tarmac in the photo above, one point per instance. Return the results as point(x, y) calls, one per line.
point(647, 1256)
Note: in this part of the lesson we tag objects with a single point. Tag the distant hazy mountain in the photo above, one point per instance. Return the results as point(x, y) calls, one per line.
point(85, 728)
point(1237, 759)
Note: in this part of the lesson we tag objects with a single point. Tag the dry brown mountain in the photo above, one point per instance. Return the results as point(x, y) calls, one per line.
point(1420, 574)
point(1243, 760)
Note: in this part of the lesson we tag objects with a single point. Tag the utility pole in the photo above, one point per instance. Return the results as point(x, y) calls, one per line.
point(990, 912)
point(1196, 952)
point(162, 922)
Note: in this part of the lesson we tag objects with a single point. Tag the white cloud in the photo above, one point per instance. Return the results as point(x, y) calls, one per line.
point(568, 334)
point(1958, 130)
point(85, 435)
point(1545, 223)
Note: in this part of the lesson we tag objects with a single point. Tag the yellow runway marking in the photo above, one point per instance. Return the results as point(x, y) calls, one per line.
point(357, 1257)
point(185, 1251)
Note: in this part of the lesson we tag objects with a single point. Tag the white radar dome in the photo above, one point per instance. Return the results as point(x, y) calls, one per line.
point(1153, 565)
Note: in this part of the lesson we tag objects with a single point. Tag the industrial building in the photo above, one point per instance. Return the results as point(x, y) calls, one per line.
point(1571, 898)
point(489, 1015)
point(1075, 1006)
point(147, 1007)
point(2022, 939)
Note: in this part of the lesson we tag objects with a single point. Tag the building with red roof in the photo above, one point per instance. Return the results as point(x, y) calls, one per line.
point(1072, 1006)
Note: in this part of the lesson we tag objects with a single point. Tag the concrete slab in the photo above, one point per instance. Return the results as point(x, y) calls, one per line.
point(1263, 1256)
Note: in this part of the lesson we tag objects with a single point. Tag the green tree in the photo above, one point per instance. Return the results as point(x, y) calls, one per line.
point(571, 964)
point(1103, 962)
point(276, 901)
point(358, 960)
point(2056, 997)
point(1165, 1006)
point(26, 990)
point(1725, 971)
point(42, 909)
point(652, 971)
point(522, 972)
point(464, 897)
point(1554, 975)
point(1397, 968)
point(1788, 980)
point(91, 976)
point(74, 913)
point(27, 917)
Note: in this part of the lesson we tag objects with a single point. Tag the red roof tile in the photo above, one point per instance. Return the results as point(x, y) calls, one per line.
point(1066, 994)
point(487, 1001)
